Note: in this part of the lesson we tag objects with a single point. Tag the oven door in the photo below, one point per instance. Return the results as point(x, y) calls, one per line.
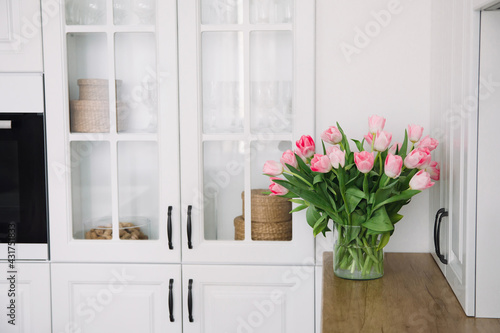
point(23, 199)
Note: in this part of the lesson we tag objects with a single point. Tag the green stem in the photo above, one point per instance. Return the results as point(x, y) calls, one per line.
point(300, 177)
point(373, 140)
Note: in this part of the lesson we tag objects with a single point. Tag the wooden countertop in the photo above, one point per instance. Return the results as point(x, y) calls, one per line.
point(413, 296)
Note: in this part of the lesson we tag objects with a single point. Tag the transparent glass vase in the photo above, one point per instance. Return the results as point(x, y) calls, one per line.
point(355, 253)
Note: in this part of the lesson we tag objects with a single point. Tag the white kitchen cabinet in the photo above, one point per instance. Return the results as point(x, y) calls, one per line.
point(246, 94)
point(31, 295)
point(21, 35)
point(248, 299)
point(112, 131)
point(123, 298)
point(463, 111)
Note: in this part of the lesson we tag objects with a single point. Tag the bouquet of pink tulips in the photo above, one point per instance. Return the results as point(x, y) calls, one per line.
point(364, 189)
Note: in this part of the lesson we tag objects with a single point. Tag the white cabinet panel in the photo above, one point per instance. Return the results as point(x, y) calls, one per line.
point(97, 298)
point(14, 89)
point(249, 299)
point(32, 298)
point(488, 247)
point(21, 36)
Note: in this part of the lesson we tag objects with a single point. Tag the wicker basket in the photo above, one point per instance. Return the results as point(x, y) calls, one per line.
point(266, 208)
point(89, 116)
point(274, 231)
point(93, 89)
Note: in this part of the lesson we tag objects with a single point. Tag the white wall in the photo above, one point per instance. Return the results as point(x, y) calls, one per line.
point(388, 75)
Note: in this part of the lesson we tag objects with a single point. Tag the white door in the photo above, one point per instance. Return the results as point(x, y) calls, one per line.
point(244, 299)
point(246, 95)
point(112, 131)
point(488, 247)
point(21, 36)
point(25, 297)
point(101, 298)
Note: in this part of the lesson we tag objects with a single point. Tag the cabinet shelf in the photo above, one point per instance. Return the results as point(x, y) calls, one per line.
point(109, 28)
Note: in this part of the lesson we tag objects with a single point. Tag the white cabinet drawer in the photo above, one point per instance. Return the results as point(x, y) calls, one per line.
point(21, 93)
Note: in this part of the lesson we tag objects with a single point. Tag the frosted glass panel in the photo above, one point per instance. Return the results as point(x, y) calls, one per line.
point(271, 11)
point(222, 61)
point(90, 184)
point(271, 81)
point(137, 94)
point(85, 12)
point(133, 12)
point(223, 180)
point(221, 11)
point(88, 84)
point(138, 190)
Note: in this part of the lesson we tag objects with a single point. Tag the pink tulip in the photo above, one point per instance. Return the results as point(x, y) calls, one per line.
point(393, 166)
point(336, 156)
point(289, 158)
point(415, 132)
point(299, 154)
point(433, 170)
point(395, 146)
point(321, 163)
point(369, 138)
point(382, 141)
point(332, 135)
point(421, 181)
point(272, 168)
point(306, 146)
point(277, 189)
point(429, 143)
point(418, 158)
point(376, 123)
point(364, 161)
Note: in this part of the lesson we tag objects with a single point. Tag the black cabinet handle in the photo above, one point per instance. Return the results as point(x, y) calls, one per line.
point(171, 300)
point(190, 300)
point(437, 229)
point(189, 227)
point(169, 228)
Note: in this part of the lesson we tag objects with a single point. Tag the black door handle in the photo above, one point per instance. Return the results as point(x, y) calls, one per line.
point(169, 228)
point(437, 229)
point(189, 227)
point(171, 300)
point(190, 300)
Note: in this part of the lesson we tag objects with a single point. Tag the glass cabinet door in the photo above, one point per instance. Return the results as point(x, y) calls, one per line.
point(247, 72)
point(120, 116)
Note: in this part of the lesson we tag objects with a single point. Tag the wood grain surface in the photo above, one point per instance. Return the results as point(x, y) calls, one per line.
point(413, 296)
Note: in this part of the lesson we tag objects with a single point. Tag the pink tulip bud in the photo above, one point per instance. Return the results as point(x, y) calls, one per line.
point(272, 168)
point(415, 132)
point(376, 123)
point(428, 142)
point(332, 135)
point(421, 181)
point(369, 138)
point(433, 170)
point(393, 166)
point(382, 141)
point(418, 158)
point(337, 156)
point(289, 158)
point(321, 163)
point(364, 161)
point(306, 146)
point(277, 189)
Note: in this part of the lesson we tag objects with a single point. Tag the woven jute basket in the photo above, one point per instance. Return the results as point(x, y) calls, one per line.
point(266, 208)
point(89, 116)
point(93, 89)
point(274, 231)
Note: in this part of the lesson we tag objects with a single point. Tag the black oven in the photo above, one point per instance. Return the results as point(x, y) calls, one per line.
point(23, 194)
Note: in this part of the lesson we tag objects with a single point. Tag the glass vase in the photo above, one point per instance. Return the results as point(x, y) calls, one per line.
point(355, 253)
